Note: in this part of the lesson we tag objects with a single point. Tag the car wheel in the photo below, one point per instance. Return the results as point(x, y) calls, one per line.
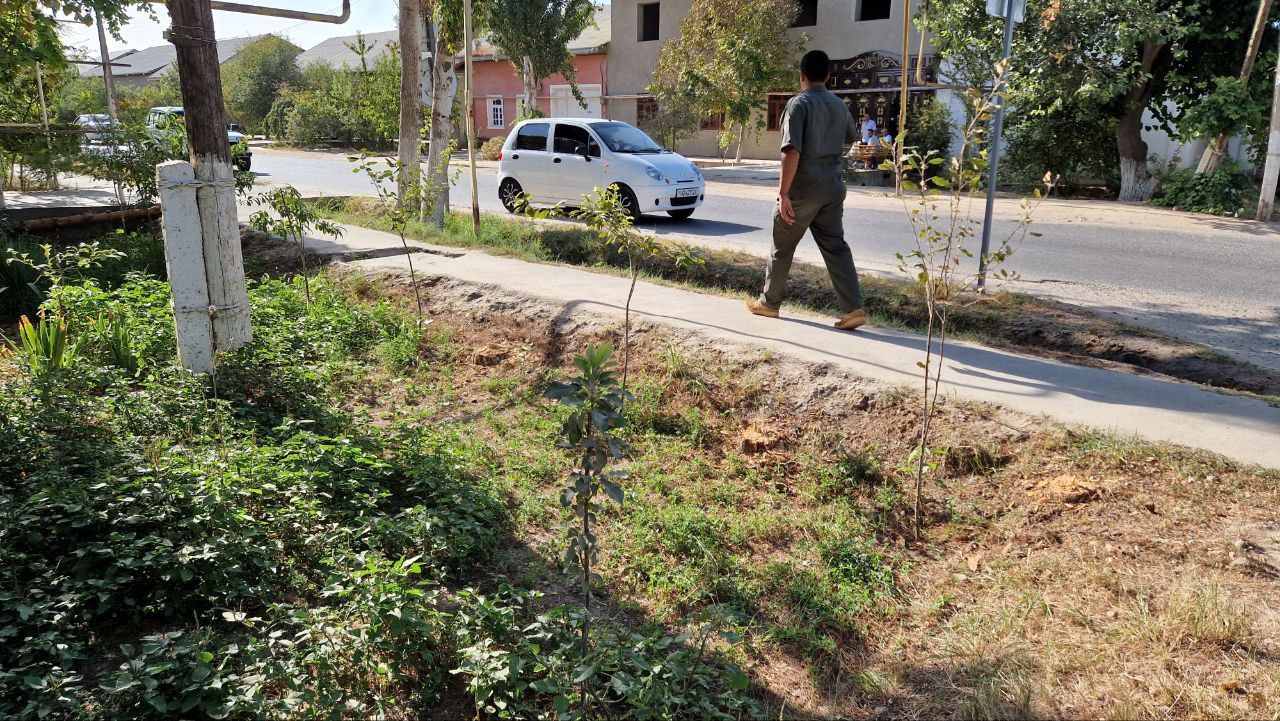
point(629, 202)
point(681, 214)
point(510, 192)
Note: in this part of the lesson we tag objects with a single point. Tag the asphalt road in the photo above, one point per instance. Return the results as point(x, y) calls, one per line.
point(1209, 280)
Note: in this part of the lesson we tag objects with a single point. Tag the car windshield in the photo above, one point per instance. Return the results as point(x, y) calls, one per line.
point(623, 138)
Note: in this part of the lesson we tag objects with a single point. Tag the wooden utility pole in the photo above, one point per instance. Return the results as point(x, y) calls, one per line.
point(200, 78)
point(1217, 147)
point(1267, 199)
point(471, 119)
point(108, 79)
point(409, 177)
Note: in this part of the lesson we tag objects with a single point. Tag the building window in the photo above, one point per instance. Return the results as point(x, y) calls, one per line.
point(646, 108)
point(715, 122)
point(497, 119)
point(777, 105)
point(648, 22)
point(807, 15)
point(874, 9)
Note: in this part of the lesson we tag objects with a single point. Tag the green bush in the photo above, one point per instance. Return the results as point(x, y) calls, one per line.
point(1220, 192)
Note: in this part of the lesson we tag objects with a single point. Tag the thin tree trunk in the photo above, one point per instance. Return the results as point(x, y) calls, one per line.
point(530, 85)
point(626, 322)
point(742, 134)
point(1136, 183)
point(410, 171)
point(1217, 147)
point(437, 191)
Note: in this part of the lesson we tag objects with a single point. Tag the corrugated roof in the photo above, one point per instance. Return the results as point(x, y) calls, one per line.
point(156, 61)
point(591, 40)
point(335, 53)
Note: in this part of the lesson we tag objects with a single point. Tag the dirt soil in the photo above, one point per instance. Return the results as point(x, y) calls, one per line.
point(1060, 573)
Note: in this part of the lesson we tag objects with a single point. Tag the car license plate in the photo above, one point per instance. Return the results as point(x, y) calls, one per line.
point(686, 192)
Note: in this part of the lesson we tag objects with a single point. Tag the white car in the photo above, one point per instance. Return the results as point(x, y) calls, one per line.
point(559, 160)
point(160, 116)
point(97, 127)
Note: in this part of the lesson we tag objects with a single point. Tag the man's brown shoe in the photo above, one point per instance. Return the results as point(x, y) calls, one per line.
point(852, 320)
point(759, 308)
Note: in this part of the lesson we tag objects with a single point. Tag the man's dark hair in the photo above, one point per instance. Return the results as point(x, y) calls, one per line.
point(815, 66)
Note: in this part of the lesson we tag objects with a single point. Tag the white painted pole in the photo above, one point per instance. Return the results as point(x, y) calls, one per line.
point(184, 257)
point(1267, 199)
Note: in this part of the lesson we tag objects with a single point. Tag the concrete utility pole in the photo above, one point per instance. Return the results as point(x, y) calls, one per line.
point(1267, 199)
point(997, 130)
point(471, 119)
point(1217, 147)
point(107, 79)
point(200, 78)
point(409, 177)
point(902, 101)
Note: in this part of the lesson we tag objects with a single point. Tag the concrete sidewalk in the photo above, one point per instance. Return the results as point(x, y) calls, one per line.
point(1245, 429)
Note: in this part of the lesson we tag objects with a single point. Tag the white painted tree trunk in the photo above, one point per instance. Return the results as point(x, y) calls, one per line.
point(1267, 198)
point(442, 86)
point(1136, 182)
point(184, 258)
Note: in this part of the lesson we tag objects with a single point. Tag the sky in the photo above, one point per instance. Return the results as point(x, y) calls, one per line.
point(143, 32)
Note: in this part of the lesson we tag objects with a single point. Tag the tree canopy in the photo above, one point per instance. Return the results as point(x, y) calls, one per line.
point(535, 35)
point(729, 54)
point(1103, 65)
point(252, 79)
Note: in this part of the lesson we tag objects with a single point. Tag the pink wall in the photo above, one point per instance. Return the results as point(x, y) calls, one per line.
point(498, 78)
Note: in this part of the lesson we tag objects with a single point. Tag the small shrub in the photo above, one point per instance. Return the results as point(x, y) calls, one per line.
point(492, 148)
point(1220, 192)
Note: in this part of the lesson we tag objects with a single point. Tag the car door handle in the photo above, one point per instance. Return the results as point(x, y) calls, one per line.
point(556, 160)
point(515, 156)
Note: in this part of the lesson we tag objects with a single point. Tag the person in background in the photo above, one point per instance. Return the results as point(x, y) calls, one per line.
point(816, 128)
point(884, 137)
point(868, 128)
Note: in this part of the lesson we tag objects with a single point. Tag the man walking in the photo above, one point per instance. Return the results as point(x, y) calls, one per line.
point(816, 127)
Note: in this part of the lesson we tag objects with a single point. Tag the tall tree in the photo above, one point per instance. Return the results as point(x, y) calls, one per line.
point(444, 39)
point(535, 35)
point(1103, 62)
point(729, 54)
point(410, 174)
point(252, 79)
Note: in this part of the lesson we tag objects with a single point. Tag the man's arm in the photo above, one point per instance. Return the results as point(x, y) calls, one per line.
point(790, 160)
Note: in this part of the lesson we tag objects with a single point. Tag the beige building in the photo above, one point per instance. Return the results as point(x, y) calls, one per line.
point(863, 38)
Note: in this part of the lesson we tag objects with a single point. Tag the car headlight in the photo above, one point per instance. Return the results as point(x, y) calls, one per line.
point(653, 172)
point(697, 172)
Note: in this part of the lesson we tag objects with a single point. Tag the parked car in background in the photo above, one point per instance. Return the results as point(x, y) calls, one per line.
point(97, 127)
point(241, 155)
point(559, 160)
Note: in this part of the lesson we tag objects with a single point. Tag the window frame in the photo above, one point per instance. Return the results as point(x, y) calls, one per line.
point(499, 104)
point(862, 5)
point(641, 24)
point(775, 106)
